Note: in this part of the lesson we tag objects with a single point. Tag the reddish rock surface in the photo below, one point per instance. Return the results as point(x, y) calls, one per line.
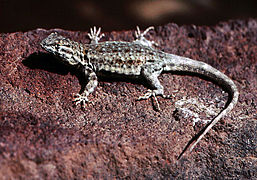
point(44, 136)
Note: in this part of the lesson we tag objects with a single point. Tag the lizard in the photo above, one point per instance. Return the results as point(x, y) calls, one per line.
point(139, 59)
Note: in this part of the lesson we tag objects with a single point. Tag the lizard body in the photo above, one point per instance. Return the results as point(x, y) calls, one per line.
point(137, 58)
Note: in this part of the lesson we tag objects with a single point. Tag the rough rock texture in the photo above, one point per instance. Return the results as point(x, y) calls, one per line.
point(44, 136)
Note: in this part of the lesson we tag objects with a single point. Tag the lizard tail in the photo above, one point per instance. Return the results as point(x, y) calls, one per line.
point(177, 63)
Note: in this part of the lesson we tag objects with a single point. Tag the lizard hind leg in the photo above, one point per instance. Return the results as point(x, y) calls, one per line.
point(152, 78)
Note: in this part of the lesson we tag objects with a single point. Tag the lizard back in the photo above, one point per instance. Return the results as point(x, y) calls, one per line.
point(120, 57)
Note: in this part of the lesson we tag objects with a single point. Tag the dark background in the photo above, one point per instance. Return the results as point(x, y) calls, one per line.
point(79, 15)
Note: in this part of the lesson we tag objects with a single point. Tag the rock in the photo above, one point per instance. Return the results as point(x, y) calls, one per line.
point(43, 135)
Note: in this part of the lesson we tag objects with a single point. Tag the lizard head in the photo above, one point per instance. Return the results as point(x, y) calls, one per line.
point(68, 51)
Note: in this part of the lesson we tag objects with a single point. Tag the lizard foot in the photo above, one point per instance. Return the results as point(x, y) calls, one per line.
point(152, 93)
point(141, 39)
point(80, 99)
point(95, 35)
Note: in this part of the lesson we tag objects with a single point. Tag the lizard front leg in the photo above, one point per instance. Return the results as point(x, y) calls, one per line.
point(91, 85)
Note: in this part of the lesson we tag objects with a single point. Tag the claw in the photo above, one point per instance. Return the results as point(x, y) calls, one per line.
point(151, 93)
point(95, 35)
point(80, 99)
point(141, 39)
point(139, 34)
point(148, 94)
